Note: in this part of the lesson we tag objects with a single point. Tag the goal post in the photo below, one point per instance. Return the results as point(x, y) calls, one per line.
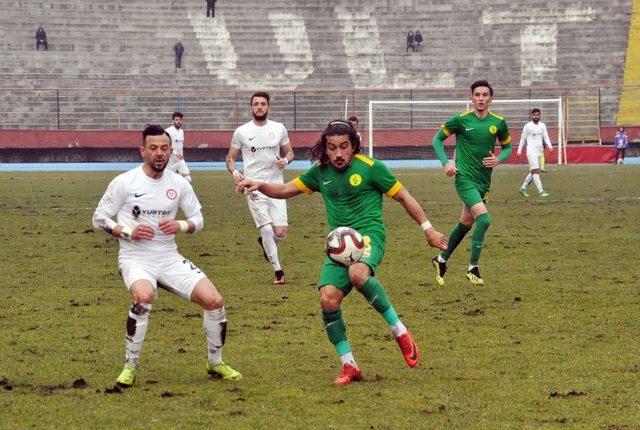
point(404, 129)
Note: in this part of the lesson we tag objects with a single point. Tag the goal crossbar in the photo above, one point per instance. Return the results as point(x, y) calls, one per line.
point(561, 137)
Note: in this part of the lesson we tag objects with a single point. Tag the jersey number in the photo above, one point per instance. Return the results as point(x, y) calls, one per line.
point(191, 265)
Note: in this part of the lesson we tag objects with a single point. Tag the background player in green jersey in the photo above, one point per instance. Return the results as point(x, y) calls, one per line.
point(476, 132)
point(352, 187)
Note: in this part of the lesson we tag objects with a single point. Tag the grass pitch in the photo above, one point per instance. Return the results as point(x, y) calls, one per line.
point(550, 341)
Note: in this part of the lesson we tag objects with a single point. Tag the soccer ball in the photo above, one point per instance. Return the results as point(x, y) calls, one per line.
point(344, 245)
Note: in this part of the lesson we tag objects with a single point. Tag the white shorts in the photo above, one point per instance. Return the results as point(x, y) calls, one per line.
point(178, 166)
point(266, 210)
point(534, 160)
point(171, 272)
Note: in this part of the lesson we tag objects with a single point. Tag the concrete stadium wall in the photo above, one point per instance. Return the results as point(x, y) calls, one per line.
point(110, 48)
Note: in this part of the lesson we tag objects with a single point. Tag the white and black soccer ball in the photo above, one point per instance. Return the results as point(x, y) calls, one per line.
point(344, 245)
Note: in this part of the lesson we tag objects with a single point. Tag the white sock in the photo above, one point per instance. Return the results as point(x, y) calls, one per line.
point(538, 182)
point(137, 324)
point(527, 181)
point(269, 245)
point(215, 330)
point(348, 359)
point(471, 266)
point(398, 329)
point(441, 260)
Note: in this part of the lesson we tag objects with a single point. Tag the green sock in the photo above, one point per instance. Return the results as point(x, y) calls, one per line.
point(336, 330)
point(456, 236)
point(477, 240)
point(373, 291)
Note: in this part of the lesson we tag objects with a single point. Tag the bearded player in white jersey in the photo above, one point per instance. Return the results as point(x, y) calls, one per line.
point(260, 142)
point(145, 202)
point(176, 161)
point(534, 136)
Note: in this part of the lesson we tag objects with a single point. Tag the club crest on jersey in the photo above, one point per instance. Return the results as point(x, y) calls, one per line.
point(355, 180)
point(493, 129)
point(171, 194)
point(271, 135)
point(135, 211)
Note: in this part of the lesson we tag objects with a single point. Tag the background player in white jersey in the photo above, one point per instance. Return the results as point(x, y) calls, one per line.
point(533, 135)
point(260, 141)
point(145, 201)
point(176, 162)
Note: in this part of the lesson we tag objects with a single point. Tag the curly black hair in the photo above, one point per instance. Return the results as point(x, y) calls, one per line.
point(335, 128)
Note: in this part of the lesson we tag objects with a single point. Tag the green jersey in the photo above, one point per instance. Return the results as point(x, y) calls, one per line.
point(475, 139)
point(353, 197)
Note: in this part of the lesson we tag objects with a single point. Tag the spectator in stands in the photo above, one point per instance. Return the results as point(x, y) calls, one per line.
point(410, 42)
point(179, 50)
point(353, 120)
point(417, 40)
point(41, 38)
point(211, 6)
point(620, 143)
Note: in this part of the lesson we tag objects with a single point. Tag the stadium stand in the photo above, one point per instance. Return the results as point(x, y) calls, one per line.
point(110, 64)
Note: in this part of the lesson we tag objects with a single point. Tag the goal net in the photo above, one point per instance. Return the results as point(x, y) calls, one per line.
point(404, 129)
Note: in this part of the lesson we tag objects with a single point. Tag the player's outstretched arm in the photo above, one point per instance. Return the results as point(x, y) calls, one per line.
point(275, 191)
point(435, 239)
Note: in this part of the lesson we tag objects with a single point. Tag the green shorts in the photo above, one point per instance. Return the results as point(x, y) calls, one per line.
point(471, 193)
point(338, 276)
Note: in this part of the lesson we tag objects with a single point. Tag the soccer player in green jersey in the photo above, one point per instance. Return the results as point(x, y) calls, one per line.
point(352, 186)
point(476, 131)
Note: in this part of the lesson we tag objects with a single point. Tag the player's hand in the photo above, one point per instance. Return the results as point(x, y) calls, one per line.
point(142, 232)
point(491, 161)
point(519, 153)
point(551, 149)
point(435, 239)
point(237, 176)
point(180, 156)
point(246, 185)
point(450, 169)
point(281, 162)
point(169, 226)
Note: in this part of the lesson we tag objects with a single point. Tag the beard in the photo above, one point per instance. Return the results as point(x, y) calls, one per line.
point(260, 117)
point(159, 169)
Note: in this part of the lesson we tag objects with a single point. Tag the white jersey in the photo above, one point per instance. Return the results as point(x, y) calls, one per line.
point(533, 136)
point(177, 140)
point(260, 146)
point(134, 198)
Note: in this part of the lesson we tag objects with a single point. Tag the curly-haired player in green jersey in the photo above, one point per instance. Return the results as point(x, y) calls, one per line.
point(353, 186)
point(476, 132)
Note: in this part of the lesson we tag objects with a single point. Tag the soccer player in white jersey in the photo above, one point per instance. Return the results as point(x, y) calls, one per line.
point(260, 141)
point(176, 161)
point(145, 202)
point(534, 136)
